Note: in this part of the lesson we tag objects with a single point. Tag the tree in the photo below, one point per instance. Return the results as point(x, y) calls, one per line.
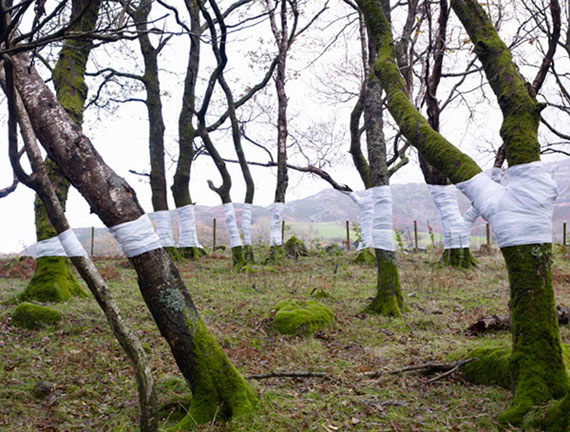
point(53, 280)
point(212, 378)
point(537, 370)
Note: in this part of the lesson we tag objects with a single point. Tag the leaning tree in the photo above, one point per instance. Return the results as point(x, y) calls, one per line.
point(519, 211)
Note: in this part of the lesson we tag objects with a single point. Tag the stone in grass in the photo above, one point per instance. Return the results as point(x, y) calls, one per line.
point(301, 317)
point(296, 248)
point(334, 250)
point(31, 316)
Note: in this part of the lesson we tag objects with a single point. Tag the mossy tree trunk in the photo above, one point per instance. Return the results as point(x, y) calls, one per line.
point(536, 365)
point(186, 130)
point(374, 172)
point(212, 379)
point(53, 280)
point(153, 102)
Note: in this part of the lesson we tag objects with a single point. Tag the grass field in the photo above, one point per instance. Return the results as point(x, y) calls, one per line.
point(91, 385)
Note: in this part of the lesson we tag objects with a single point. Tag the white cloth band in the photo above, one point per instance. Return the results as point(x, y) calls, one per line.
point(187, 227)
point(71, 244)
point(231, 225)
point(455, 231)
point(382, 230)
point(163, 222)
point(50, 247)
point(246, 224)
point(136, 237)
point(276, 220)
point(472, 214)
point(520, 209)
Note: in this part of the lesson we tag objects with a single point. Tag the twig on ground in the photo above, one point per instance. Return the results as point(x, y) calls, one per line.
point(450, 371)
point(287, 375)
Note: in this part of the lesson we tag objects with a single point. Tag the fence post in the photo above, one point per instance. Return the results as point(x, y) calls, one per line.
point(347, 236)
point(488, 235)
point(415, 236)
point(282, 232)
point(214, 237)
point(92, 240)
point(564, 234)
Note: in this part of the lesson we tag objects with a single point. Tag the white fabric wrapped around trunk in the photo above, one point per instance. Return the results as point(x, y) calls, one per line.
point(163, 222)
point(365, 204)
point(246, 224)
point(231, 225)
point(187, 227)
point(520, 209)
point(71, 244)
point(472, 214)
point(455, 231)
point(276, 220)
point(50, 247)
point(136, 237)
point(382, 230)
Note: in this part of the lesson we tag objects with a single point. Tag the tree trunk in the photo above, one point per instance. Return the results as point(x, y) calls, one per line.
point(211, 376)
point(186, 131)
point(153, 104)
point(536, 362)
point(53, 280)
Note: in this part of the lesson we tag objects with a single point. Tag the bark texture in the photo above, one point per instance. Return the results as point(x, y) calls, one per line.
point(114, 201)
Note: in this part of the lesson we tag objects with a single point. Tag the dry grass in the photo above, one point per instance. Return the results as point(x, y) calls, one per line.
point(93, 387)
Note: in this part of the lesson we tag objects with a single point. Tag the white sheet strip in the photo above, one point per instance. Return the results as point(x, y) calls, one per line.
point(136, 237)
point(231, 225)
point(187, 227)
point(163, 222)
point(50, 247)
point(246, 224)
point(382, 230)
point(520, 209)
point(71, 244)
point(455, 231)
point(276, 220)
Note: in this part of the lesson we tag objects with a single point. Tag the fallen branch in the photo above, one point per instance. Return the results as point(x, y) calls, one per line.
point(287, 375)
point(459, 365)
point(497, 323)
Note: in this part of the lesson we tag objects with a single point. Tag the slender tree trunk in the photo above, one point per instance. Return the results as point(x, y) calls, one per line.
point(186, 131)
point(153, 104)
point(212, 378)
point(536, 364)
point(53, 280)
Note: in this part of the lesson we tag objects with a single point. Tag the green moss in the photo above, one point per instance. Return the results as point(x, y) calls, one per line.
point(33, 317)
point(365, 256)
point(238, 259)
point(301, 317)
point(458, 258)
point(218, 389)
point(192, 253)
point(248, 254)
point(52, 281)
point(389, 300)
point(536, 364)
point(491, 368)
point(174, 253)
point(296, 248)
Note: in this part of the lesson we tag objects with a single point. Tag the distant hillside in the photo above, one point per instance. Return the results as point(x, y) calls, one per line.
point(323, 216)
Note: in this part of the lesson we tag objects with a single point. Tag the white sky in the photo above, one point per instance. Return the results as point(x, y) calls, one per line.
point(121, 139)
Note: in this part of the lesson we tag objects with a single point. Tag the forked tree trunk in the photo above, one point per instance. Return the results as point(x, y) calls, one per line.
point(211, 376)
point(536, 365)
point(53, 280)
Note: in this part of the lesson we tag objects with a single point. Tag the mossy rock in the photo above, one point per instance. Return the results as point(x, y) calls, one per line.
point(52, 282)
point(296, 248)
point(365, 256)
point(334, 250)
point(33, 317)
point(301, 317)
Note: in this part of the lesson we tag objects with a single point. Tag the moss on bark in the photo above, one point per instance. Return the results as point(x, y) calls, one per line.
point(389, 300)
point(536, 365)
point(365, 256)
point(52, 281)
point(192, 253)
point(295, 247)
point(458, 258)
point(301, 317)
point(33, 317)
point(174, 253)
point(238, 259)
point(248, 254)
point(219, 391)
